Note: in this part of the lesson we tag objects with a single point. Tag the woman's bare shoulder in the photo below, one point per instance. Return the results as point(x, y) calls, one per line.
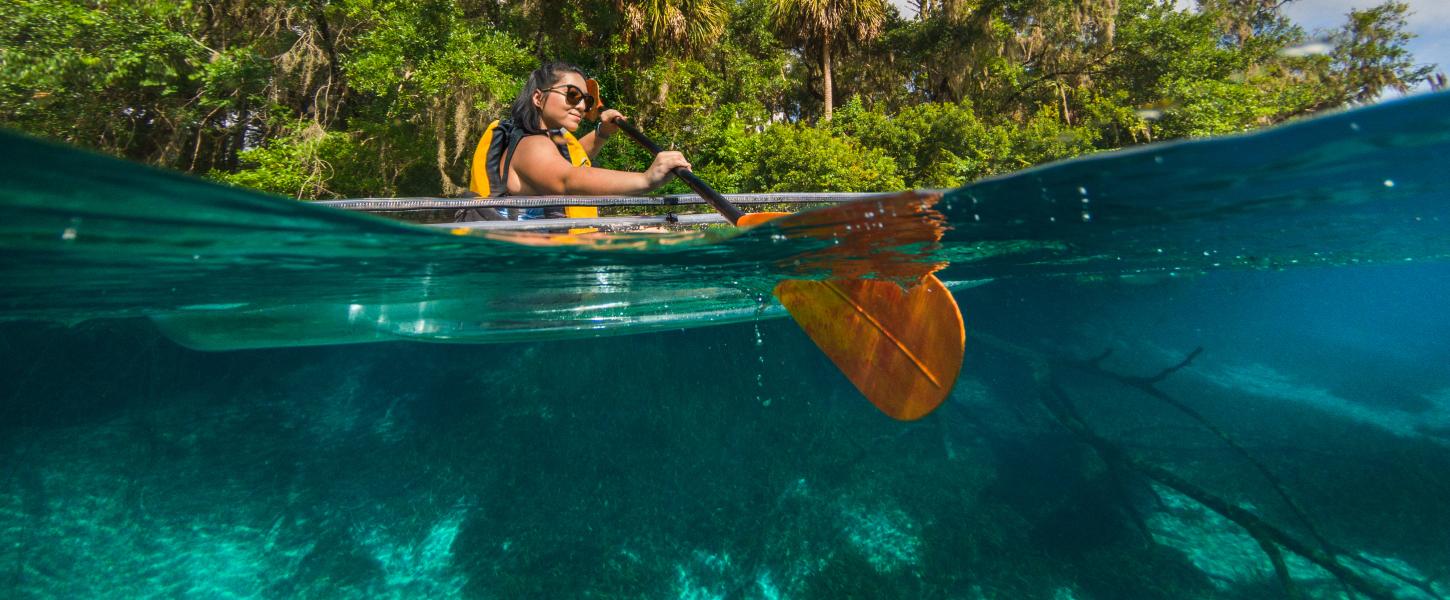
point(535, 143)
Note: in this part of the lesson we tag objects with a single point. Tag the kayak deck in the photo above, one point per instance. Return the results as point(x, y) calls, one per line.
point(418, 204)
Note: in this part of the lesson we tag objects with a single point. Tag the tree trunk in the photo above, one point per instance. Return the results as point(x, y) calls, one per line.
point(662, 94)
point(238, 138)
point(1066, 112)
point(826, 69)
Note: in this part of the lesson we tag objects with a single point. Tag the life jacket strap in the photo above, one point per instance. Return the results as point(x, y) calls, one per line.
point(508, 159)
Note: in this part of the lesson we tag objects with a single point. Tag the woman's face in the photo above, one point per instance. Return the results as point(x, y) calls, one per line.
point(555, 110)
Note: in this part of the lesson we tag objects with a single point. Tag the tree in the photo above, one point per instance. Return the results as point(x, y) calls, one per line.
point(657, 32)
point(1370, 55)
point(824, 25)
point(683, 25)
point(1242, 20)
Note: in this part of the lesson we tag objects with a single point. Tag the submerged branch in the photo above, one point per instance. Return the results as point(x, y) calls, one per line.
point(1273, 540)
point(1281, 569)
point(1148, 385)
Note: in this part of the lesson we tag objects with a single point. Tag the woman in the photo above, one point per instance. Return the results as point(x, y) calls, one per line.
point(535, 153)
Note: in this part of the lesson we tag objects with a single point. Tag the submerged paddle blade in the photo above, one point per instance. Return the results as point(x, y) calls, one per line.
point(901, 348)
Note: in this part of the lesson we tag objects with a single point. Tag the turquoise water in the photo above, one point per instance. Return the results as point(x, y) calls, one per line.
point(716, 453)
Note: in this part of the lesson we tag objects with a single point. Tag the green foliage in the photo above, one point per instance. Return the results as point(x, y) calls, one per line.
point(430, 74)
point(105, 76)
point(799, 158)
point(383, 97)
point(726, 145)
point(943, 145)
point(309, 162)
point(1371, 55)
point(1212, 107)
point(825, 29)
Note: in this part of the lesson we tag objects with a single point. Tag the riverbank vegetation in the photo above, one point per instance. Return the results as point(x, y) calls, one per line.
point(339, 98)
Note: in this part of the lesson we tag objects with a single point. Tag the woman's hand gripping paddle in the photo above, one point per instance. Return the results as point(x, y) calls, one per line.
point(902, 348)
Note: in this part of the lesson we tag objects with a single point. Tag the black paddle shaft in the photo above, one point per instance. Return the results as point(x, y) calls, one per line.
point(722, 205)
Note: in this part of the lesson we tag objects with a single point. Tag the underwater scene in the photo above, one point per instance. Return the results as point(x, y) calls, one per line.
point(1208, 369)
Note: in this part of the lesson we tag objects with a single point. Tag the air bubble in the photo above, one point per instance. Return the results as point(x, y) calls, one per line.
point(70, 233)
point(760, 358)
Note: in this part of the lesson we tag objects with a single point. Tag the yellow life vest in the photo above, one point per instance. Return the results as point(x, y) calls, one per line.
point(495, 152)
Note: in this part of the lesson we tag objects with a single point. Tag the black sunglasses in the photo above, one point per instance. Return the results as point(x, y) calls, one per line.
point(572, 95)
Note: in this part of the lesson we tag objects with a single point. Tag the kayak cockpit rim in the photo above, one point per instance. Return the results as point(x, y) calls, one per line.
point(425, 203)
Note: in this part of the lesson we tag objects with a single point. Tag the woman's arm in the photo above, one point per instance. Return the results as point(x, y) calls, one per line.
point(541, 171)
point(592, 143)
point(594, 140)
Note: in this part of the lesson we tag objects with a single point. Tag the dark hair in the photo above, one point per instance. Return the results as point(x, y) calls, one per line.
point(525, 115)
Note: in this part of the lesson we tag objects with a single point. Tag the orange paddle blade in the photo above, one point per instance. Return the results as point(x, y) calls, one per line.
point(592, 88)
point(753, 219)
point(901, 348)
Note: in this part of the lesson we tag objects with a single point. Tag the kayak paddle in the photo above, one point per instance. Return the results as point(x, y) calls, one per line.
point(902, 348)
